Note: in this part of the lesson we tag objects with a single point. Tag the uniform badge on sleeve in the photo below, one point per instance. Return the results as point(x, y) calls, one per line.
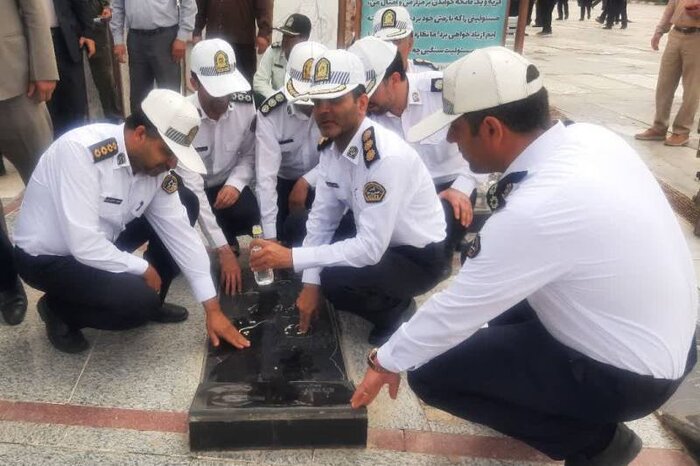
point(373, 192)
point(104, 150)
point(169, 184)
point(474, 247)
point(369, 146)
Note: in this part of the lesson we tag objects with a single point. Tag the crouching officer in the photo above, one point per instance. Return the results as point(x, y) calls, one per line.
point(286, 153)
point(605, 328)
point(398, 250)
point(398, 101)
point(88, 188)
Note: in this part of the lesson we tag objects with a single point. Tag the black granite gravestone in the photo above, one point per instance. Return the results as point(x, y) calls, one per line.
point(287, 390)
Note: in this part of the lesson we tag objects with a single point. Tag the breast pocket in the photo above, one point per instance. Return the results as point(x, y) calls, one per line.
point(111, 215)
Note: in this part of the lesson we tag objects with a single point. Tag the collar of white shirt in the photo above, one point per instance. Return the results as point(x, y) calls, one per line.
point(538, 150)
point(414, 96)
point(353, 152)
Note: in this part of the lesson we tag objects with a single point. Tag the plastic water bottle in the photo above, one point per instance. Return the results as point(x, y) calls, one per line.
point(262, 277)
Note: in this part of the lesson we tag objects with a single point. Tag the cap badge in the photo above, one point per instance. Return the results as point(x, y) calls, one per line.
point(290, 22)
point(389, 19)
point(221, 63)
point(307, 69)
point(322, 72)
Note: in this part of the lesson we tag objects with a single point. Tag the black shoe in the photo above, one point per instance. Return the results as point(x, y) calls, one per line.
point(559, 19)
point(62, 337)
point(622, 449)
point(544, 33)
point(607, 26)
point(600, 19)
point(13, 304)
point(624, 26)
point(170, 313)
point(380, 334)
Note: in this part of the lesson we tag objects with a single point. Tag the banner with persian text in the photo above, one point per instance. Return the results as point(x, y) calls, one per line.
point(445, 30)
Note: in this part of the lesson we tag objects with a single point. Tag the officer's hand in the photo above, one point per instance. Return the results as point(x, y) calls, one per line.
point(271, 255)
point(119, 51)
point(152, 279)
point(461, 205)
point(656, 38)
point(262, 43)
point(369, 388)
point(230, 271)
point(41, 91)
point(308, 303)
point(89, 45)
point(178, 50)
point(106, 12)
point(228, 195)
point(298, 195)
point(218, 326)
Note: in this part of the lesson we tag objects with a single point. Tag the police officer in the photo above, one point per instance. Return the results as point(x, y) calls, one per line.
point(86, 191)
point(286, 155)
point(398, 250)
point(393, 24)
point(270, 74)
point(398, 101)
point(601, 326)
point(225, 140)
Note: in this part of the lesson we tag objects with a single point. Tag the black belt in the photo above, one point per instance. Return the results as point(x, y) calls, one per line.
point(151, 32)
point(686, 30)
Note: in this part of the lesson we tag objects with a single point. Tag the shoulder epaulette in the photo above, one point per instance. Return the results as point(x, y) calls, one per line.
point(436, 85)
point(323, 143)
point(369, 146)
point(428, 63)
point(272, 102)
point(242, 97)
point(104, 150)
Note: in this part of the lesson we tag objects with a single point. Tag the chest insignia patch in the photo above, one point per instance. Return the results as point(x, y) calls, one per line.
point(474, 247)
point(104, 150)
point(369, 146)
point(169, 184)
point(373, 192)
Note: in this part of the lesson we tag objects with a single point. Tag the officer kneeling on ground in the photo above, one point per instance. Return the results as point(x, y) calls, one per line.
point(594, 327)
point(397, 251)
point(82, 217)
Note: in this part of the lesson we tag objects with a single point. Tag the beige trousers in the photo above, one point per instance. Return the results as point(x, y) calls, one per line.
point(25, 133)
point(680, 61)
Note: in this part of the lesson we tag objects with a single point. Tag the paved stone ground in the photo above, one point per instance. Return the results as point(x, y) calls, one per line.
point(125, 400)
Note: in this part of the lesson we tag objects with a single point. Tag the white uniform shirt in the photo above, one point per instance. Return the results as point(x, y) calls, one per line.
point(286, 143)
point(226, 147)
point(76, 206)
point(443, 159)
point(393, 201)
point(270, 73)
point(590, 240)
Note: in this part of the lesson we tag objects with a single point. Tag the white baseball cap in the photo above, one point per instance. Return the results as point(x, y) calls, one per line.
point(376, 56)
point(336, 73)
point(177, 122)
point(392, 23)
point(214, 63)
point(485, 78)
point(300, 69)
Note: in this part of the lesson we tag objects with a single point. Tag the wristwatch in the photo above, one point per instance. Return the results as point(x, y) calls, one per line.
point(373, 363)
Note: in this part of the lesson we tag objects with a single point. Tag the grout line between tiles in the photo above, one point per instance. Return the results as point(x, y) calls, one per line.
point(82, 370)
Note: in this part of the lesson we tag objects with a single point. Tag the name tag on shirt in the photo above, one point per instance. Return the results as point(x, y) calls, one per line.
point(330, 184)
point(113, 200)
point(201, 149)
point(286, 141)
